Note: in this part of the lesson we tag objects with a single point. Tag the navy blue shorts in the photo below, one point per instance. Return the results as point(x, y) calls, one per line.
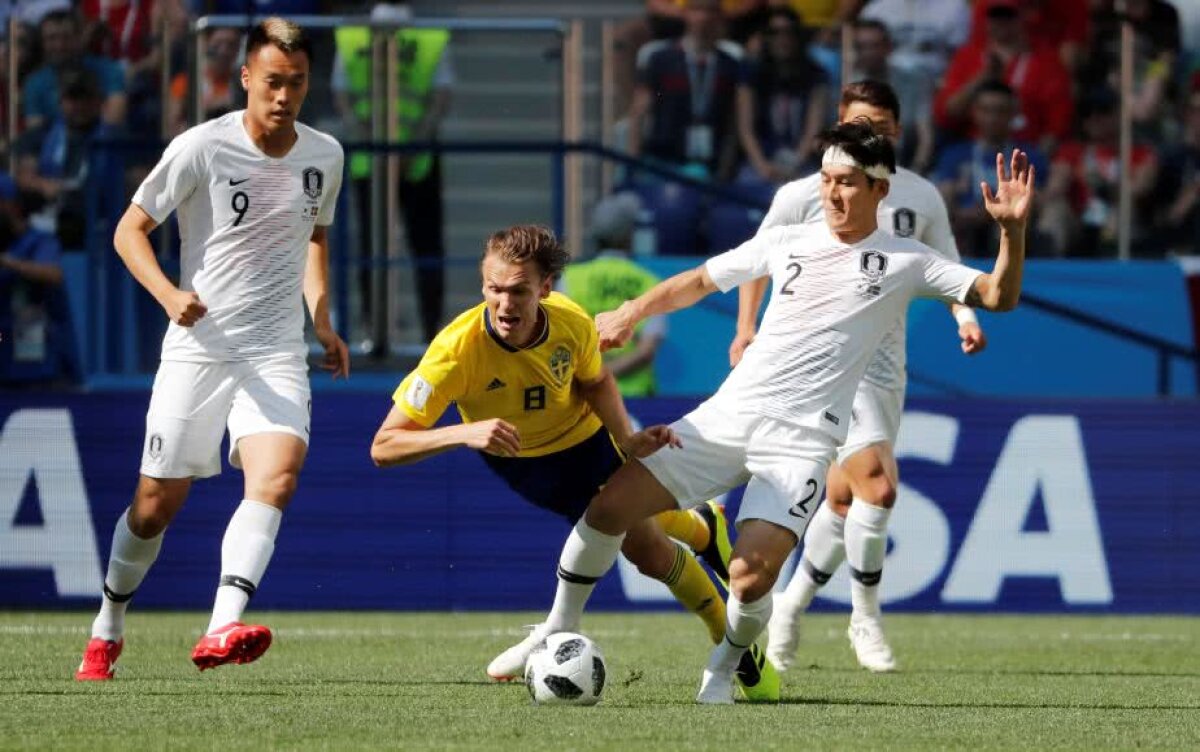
point(562, 482)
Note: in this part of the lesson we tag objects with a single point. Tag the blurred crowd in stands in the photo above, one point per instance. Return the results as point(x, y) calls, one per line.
point(737, 90)
point(729, 91)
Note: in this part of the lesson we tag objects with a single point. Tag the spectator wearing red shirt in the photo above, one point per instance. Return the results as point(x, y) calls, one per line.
point(1085, 176)
point(1061, 24)
point(1041, 81)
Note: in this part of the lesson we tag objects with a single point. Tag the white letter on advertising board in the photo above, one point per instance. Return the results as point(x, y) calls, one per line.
point(40, 444)
point(1043, 453)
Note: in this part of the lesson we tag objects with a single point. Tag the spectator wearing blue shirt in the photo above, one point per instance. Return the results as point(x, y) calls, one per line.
point(965, 164)
point(36, 340)
point(56, 160)
point(62, 50)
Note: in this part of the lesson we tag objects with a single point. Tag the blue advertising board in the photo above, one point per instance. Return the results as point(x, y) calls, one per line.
point(1050, 506)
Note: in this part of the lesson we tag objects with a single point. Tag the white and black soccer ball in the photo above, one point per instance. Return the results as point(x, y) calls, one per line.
point(566, 669)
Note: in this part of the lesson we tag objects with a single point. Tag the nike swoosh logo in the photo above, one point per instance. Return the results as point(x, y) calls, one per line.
point(237, 182)
point(794, 256)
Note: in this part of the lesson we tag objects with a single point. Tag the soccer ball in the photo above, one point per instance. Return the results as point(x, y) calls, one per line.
point(566, 669)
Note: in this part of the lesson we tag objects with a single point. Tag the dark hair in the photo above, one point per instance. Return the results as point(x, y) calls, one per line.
point(1101, 100)
point(874, 24)
point(281, 33)
point(859, 140)
point(994, 87)
point(77, 84)
point(874, 93)
point(59, 16)
point(796, 76)
point(521, 243)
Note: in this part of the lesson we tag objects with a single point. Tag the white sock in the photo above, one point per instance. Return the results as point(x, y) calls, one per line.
point(866, 547)
point(128, 563)
point(587, 556)
point(245, 552)
point(744, 623)
point(824, 552)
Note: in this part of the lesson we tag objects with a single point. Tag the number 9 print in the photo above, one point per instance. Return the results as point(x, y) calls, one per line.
point(239, 203)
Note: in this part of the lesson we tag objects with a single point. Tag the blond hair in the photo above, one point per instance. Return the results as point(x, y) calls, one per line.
point(521, 243)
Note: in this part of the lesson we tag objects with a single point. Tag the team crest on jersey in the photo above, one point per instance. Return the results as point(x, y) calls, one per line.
point(154, 447)
point(904, 223)
point(313, 181)
point(872, 265)
point(560, 363)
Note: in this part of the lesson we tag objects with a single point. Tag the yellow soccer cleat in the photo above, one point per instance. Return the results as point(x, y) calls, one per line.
point(757, 678)
point(716, 554)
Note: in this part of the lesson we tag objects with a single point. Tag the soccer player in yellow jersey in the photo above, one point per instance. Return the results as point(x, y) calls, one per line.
point(537, 402)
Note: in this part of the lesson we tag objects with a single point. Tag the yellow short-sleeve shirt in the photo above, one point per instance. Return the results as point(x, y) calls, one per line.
point(535, 388)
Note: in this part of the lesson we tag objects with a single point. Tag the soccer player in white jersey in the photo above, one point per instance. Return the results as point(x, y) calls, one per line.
point(254, 192)
point(865, 472)
point(776, 422)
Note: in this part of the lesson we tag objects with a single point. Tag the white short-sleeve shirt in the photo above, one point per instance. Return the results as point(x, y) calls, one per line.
point(245, 221)
point(913, 208)
point(831, 305)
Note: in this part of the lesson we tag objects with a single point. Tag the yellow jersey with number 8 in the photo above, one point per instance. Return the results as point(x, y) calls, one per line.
point(534, 388)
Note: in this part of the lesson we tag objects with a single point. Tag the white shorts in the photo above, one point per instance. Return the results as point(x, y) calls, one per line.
point(722, 449)
point(875, 418)
point(192, 404)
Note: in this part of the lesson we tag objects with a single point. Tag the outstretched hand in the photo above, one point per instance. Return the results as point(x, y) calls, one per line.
point(1013, 199)
point(648, 441)
point(614, 328)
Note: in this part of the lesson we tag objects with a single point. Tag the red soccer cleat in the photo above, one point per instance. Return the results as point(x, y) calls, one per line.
point(99, 660)
point(233, 643)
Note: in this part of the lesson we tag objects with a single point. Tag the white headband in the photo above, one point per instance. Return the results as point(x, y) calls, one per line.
point(836, 155)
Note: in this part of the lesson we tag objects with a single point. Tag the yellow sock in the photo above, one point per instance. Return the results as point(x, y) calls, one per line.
point(686, 527)
point(692, 587)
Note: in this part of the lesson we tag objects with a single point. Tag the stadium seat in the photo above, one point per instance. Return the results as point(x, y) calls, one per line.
point(676, 211)
point(731, 224)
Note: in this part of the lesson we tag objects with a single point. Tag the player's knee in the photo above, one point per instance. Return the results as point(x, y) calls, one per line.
point(880, 491)
point(655, 564)
point(606, 516)
point(840, 507)
point(750, 581)
point(275, 489)
point(150, 513)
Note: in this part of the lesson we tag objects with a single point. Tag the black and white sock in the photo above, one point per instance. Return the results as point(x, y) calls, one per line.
point(128, 562)
point(245, 552)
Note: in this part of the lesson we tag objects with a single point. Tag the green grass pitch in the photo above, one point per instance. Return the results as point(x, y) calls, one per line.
point(415, 681)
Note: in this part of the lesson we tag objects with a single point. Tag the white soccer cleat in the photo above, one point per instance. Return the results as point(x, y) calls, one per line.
point(715, 689)
point(783, 636)
point(510, 665)
point(871, 647)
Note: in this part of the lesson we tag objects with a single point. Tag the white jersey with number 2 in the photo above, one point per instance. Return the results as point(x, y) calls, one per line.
point(245, 221)
point(913, 208)
point(831, 305)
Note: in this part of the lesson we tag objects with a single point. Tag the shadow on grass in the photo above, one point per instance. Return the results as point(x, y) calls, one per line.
point(981, 705)
point(1013, 672)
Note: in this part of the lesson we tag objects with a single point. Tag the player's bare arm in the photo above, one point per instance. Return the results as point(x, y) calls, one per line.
point(681, 291)
point(750, 298)
point(316, 294)
point(132, 241)
point(974, 341)
point(1009, 206)
point(605, 400)
point(403, 441)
